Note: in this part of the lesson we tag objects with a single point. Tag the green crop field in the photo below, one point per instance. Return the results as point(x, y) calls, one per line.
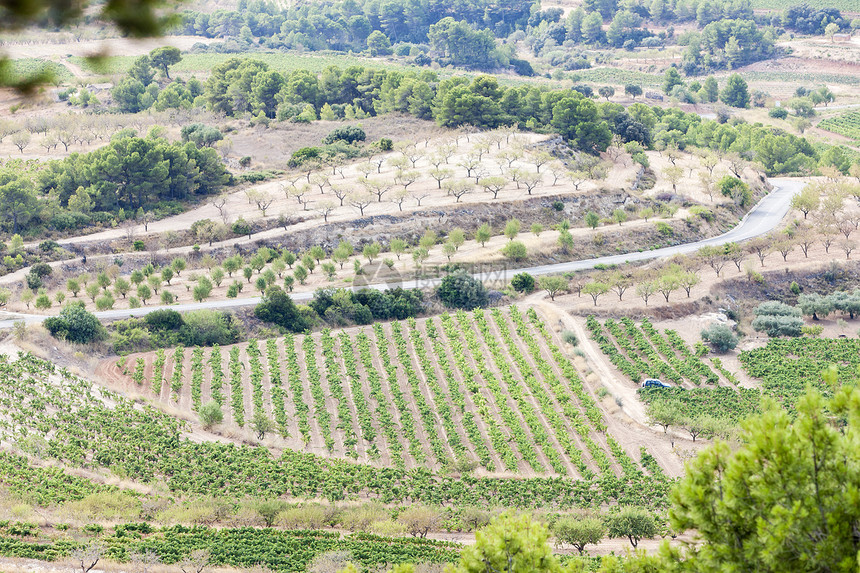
point(802, 78)
point(619, 76)
point(847, 124)
point(786, 366)
point(30, 67)
point(843, 5)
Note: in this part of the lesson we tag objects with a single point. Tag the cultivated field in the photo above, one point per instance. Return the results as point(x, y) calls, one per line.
point(489, 388)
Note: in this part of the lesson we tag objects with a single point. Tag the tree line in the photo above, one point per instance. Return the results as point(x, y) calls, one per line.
point(358, 25)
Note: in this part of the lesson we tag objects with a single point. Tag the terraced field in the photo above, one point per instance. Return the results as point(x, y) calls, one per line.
point(487, 388)
point(847, 124)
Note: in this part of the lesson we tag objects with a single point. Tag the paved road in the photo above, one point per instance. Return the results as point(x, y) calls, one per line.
point(760, 220)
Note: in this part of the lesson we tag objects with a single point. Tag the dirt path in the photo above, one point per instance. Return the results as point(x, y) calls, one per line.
point(631, 428)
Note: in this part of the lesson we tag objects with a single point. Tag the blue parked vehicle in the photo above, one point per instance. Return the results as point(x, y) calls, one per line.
point(654, 383)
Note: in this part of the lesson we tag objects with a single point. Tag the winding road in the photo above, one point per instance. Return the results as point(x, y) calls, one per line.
point(760, 220)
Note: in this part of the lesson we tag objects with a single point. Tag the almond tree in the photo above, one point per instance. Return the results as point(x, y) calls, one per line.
point(399, 198)
point(340, 192)
point(447, 151)
point(760, 247)
point(298, 194)
point(619, 282)
point(419, 195)
point(668, 283)
point(320, 181)
point(325, 209)
point(470, 163)
point(595, 290)
point(376, 187)
point(21, 140)
point(531, 181)
point(441, 175)
point(577, 178)
point(714, 257)
point(458, 188)
point(360, 200)
point(805, 238)
point(407, 178)
point(540, 159)
point(493, 185)
point(263, 201)
point(88, 556)
point(507, 158)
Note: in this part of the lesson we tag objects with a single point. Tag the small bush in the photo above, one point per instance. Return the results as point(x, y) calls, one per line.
point(523, 282)
point(570, 337)
point(664, 228)
point(515, 251)
point(720, 337)
point(459, 290)
point(778, 113)
point(347, 133)
point(210, 414)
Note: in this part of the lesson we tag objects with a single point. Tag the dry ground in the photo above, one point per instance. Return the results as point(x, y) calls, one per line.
point(552, 176)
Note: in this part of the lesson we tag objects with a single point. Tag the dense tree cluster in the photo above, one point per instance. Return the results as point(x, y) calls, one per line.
point(141, 90)
point(727, 44)
point(348, 24)
point(339, 307)
point(75, 324)
point(167, 328)
point(132, 172)
point(808, 20)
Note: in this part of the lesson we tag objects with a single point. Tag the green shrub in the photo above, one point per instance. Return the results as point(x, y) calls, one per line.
point(523, 282)
point(277, 307)
point(75, 324)
point(570, 337)
point(164, 319)
point(778, 113)
point(720, 337)
point(515, 251)
point(208, 327)
point(347, 133)
point(210, 414)
point(459, 290)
